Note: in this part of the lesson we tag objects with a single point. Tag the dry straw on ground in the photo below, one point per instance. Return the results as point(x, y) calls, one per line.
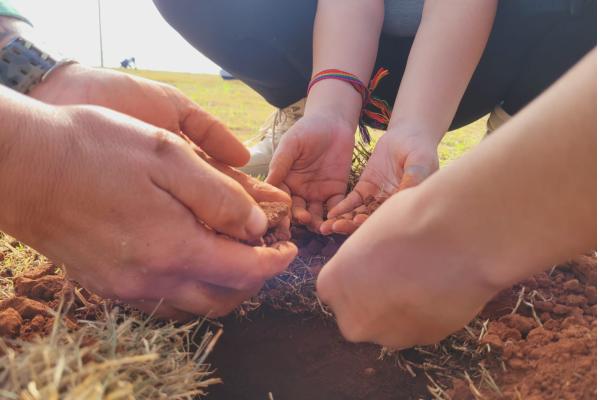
point(119, 357)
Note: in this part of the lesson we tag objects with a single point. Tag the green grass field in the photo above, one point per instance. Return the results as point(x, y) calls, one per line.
point(244, 111)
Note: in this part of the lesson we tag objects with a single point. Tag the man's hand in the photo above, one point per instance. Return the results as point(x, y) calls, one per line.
point(401, 159)
point(313, 163)
point(152, 102)
point(132, 211)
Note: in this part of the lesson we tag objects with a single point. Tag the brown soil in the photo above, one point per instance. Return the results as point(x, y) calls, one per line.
point(38, 295)
point(544, 332)
point(276, 213)
point(303, 356)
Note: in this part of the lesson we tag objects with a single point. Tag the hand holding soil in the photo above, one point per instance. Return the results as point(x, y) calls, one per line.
point(400, 160)
point(312, 163)
point(121, 210)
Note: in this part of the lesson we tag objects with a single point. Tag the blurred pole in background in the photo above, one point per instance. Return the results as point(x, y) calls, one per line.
point(100, 32)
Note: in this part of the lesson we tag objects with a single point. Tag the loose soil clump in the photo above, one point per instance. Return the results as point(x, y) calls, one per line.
point(544, 331)
point(278, 230)
point(38, 295)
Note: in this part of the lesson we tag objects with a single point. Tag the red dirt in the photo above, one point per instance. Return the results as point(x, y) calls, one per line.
point(38, 294)
point(300, 357)
point(276, 213)
point(552, 356)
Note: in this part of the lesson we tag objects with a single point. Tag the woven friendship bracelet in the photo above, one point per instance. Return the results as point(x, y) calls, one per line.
point(378, 119)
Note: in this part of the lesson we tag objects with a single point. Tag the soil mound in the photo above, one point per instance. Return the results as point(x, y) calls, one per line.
point(543, 330)
point(38, 295)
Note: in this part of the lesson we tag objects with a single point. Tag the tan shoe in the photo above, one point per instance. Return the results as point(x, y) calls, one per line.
point(498, 117)
point(271, 133)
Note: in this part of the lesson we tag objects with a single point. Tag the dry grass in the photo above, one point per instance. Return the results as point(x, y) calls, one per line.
point(461, 356)
point(120, 357)
point(292, 291)
point(123, 355)
point(15, 259)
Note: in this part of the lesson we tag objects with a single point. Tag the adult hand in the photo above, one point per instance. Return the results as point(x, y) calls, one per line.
point(313, 163)
point(134, 213)
point(401, 159)
point(412, 284)
point(152, 102)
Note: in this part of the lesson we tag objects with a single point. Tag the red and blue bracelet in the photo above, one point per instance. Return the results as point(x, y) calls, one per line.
point(378, 119)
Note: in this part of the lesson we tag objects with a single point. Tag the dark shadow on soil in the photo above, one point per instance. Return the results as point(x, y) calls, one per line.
point(301, 357)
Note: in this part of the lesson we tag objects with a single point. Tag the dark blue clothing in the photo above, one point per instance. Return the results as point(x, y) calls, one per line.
point(268, 45)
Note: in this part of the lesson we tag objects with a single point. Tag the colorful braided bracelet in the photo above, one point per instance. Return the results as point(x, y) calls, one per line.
point(378, 119)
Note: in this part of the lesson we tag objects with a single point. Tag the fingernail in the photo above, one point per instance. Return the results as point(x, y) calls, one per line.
point(257, 222)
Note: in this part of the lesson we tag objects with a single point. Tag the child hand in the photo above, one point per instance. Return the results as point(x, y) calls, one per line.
point(400, 160)
point(313, 163)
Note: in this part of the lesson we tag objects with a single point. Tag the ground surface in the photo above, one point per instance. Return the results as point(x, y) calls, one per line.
point(536, 340)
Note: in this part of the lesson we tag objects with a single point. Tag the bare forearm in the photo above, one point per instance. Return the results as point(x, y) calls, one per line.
point(446, 51)
point(346, 37)
point(27, 126)
point(527, 198)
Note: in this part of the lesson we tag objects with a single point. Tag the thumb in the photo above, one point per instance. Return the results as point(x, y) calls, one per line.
point(413, 175)
point(286, 154)
point(213, 197)
point(208, 133)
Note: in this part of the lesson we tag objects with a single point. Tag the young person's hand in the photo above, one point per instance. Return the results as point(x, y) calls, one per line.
point(152, 102)
point(313, 162)
point(430, 257)
point(402, 158)
point(131, 210)
point(399, 281)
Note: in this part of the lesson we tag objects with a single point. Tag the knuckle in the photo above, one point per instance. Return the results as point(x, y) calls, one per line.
point(222, 309)
point(165, 142)
point(253, 278)
point(352, 331)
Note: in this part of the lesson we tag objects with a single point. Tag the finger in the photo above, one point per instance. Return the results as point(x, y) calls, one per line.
point(286, 154)
point(212, 136)
point(230, 264)
point(315, 208)
point(413, 175)
point(344, 226)
point(360, 219)
point(208, 300)
point(353, 200)
point(260, 191)
point(213, 197)
point(161, 310)
point(299, 211)
point(327, 227)
point(334, 201)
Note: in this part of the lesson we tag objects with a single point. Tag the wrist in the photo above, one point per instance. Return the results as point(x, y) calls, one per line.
point(337, 98)
point(59, 82)
point(30, 137)
point(424, 131)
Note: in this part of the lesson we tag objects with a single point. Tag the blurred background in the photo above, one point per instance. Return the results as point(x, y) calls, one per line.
point(130, 28)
